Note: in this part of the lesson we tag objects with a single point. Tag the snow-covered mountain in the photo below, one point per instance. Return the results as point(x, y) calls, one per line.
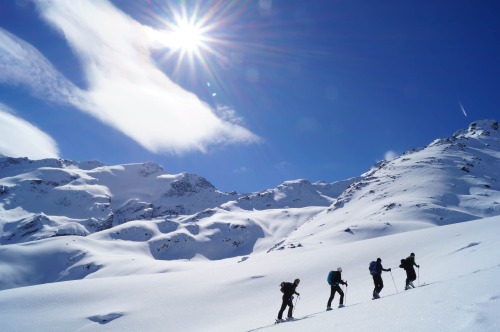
point(47, 198)
point(451, 180)
point(141, 249)
point(139, 210)
point(296, 194)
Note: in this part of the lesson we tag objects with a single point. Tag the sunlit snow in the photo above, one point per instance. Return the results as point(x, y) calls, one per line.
point(89, 247)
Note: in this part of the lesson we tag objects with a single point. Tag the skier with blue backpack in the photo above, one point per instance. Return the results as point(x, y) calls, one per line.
point(335, 280)
point(376, 269)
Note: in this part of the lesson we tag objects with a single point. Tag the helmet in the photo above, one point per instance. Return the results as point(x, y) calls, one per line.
point(339, 269)
point(296, 281)
point(412, 254)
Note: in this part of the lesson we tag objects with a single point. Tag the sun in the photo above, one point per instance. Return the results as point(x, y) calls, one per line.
point(187, 37)
point(196, 35)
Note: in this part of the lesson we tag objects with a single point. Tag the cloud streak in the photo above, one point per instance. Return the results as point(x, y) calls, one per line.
point(21, 139)
point(22, 65)
point(462, 107)
point(125, 90)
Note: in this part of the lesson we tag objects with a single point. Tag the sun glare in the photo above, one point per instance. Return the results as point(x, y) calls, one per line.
point(187, 37)
point(195, 35)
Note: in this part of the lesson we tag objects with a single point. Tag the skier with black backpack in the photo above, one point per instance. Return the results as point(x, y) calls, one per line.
point(335, 280)
point(408, 265)
point(288, 289)
point(376, 269)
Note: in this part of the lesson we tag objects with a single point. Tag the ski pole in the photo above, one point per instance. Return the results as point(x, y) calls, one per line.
point(418, 269)
point(295, 306)
point(394, 282)
point(346, 295)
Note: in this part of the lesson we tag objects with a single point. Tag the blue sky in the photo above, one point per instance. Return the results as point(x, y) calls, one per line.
point(247, 94)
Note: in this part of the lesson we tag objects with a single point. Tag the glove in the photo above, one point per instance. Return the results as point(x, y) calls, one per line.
point(346, 284)
point(418, 266)
point(389, 269)
point(298, 294)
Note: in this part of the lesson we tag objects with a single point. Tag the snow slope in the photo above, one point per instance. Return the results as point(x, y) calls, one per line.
point(459, 263)
point(451, 180)
point(90, 247)
point(212, 234)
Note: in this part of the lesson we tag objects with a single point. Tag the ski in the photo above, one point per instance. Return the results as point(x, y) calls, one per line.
point(340, 307)
point(291, 320)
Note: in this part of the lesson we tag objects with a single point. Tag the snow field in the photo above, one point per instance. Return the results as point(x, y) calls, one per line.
point(460, 265)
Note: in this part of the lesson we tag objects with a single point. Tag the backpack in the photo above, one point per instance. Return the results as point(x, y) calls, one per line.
point(373, 267)
point(404, 264)
point(330, 277)
point(284, 286)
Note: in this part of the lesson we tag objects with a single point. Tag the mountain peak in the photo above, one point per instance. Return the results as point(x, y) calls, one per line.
point(480, 127)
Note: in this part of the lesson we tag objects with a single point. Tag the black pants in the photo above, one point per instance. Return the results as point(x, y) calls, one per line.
point(379, 283)
point(410, 275)
point(287, 301)
point(333, 289)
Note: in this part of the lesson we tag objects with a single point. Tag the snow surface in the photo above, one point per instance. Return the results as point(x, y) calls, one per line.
point(460, 264)
point(88, 247)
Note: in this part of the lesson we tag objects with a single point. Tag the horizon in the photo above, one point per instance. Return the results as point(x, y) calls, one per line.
point(247, 94)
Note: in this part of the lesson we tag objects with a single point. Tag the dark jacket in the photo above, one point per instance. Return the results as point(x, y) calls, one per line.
point(410, 262)
point(289, 289)
point(379, 268)
point(337, 278)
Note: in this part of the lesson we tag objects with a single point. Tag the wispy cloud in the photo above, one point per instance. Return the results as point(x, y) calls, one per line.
point(21, 139)
point(126, 90)
point(22, 65)
point(462, 107)
point(390, 155)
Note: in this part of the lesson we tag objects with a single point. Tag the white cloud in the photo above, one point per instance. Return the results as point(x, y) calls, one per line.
point(390, 155)
point(125, 88)
point(21, 139)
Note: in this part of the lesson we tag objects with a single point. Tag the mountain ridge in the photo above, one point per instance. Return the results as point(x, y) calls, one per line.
point(450, 180)
point(183, 217)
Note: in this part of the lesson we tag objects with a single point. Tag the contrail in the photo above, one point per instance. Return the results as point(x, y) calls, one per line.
point(462, 107)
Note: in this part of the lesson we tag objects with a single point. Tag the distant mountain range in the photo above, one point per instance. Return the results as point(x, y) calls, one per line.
point(183, 216)
point(52, 197)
